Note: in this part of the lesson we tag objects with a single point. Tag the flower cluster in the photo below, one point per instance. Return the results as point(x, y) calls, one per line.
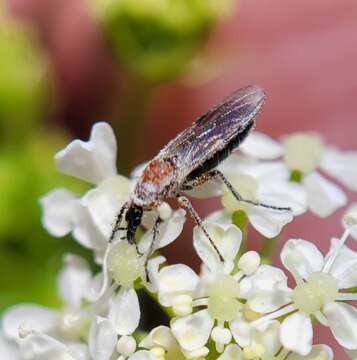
point(238, 308)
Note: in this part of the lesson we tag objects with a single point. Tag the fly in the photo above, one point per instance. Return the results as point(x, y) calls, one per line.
point(190, 159)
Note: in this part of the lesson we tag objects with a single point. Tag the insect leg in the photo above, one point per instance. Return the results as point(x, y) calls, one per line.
point(119, 218)
point(217, 174)
point(151, 250)
point(187, 204)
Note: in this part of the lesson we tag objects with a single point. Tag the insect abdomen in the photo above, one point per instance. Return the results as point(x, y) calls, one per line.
point(217, 158)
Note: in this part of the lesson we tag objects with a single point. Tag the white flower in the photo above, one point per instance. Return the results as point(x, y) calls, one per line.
point(90, 218)
point(303, 154)
point(318, 293)
point(42, 333)
point(260, 183)
point(113, 334)
point(217, 289)
point(162, 343)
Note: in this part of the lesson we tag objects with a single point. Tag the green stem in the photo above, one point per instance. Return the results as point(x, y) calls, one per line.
point(268, 249)
point(240, 219)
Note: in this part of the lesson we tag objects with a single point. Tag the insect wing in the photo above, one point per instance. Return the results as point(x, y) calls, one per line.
point(214, 130)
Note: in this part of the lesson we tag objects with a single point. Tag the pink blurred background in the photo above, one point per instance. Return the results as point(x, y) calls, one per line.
point(304, 53)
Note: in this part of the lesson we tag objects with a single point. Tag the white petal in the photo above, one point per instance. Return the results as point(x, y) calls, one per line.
point(8, 350)
point(342, 165)
point(237, 164)
point(318, 352)
point(86, 232)
point(211, 188)
point(92, 160)
point(160, 336)
point(261, 146)
point(142, 355)
point(266, 290)
point(296, 333)
point(44, 347)
point(221, 217)
point(74, 280)
point(241, 330)
point(57, 212)
point(232, 352)
point(267, 334)
point(29, 316)
point(323, 196)
point(102, 339)
point(302, 257)
point(169, 231)
point(103, 209)
point(344, 268)
point(153, 267)
point(352, 354)
point(283, 194)
point(124, 312)
point(193, 331)
point(174, 280)
point(269, 222)
point(226, 238)
point(342, 319)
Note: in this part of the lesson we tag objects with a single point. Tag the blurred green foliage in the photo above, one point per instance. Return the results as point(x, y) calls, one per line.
point(156, 40)
point(29, 257)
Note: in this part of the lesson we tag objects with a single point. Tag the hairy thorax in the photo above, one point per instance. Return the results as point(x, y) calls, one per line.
point(155, 183)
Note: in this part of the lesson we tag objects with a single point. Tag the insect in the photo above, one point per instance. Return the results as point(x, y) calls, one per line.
point(189, 160)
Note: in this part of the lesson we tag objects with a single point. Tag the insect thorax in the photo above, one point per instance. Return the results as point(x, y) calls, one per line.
point(155, 183)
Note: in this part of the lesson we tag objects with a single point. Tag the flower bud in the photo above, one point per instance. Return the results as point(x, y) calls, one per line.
point(249, 262)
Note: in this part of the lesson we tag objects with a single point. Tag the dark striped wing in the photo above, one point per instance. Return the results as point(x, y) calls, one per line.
point(215, 130)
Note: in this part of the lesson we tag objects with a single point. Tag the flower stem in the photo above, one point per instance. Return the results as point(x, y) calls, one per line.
point(268, 249)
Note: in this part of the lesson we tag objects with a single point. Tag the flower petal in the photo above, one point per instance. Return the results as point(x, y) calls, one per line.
point(160, 336)
point(92, 160)
point(318, 352)
point(153, 267)
point(342, 165)
point(267, 334)
point(211, 188)
point(169, 230)
point(32, 317)
point(8, 349)
point(227, 239)
point(74, 280)
point(142, 355)
point(232, 352)
point(193, 331)
point(269, 222)
point(57, 211)
point(302, 257)
point(283, 194)
point(101, 339)
point(296, 333)
point(261, 146)
point(266, 290)
point(323, 196)
point(86, 232)
point(352, 354)
point(102, 208)
point(42, 347)
point(342, 319)
point(344, 268)
point(241, 330)
point(124, 312)
point(175, 280)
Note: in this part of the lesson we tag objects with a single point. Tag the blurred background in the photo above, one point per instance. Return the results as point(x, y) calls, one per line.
point(150, 67)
